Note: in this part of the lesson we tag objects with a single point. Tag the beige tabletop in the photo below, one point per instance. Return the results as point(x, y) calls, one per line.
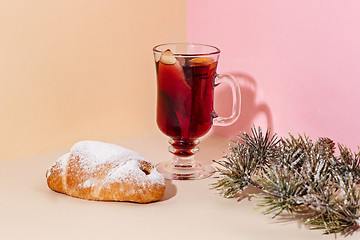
point(189, 209)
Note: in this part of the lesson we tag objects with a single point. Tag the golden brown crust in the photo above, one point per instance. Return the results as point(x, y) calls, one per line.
point(69, 176)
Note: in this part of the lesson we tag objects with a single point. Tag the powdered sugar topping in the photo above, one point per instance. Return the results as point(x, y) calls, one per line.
point(87, 184)
point(95, 153)
point(132, 169)
point(125, 164)
point(59, 164)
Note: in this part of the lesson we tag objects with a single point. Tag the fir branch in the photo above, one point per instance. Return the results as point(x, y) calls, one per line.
point(242, 164)
point(297, 176)
point(237, 171)
point(280, 185)
point(262, 147)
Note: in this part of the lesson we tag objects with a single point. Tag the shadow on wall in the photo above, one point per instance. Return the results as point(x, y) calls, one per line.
point(251, 108)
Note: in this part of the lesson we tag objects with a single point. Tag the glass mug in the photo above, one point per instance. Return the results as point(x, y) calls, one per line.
point(186, 77)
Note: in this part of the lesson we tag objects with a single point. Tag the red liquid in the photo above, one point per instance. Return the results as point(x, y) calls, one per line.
point(185, 102)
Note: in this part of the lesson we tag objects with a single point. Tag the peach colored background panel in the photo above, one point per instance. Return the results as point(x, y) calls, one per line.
point(298, 63)
point(73, 70)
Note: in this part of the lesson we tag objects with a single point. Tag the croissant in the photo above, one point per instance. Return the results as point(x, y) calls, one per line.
point(102, 171)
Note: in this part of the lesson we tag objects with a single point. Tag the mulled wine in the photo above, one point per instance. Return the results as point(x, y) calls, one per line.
point(185, 100)
point(186, 77)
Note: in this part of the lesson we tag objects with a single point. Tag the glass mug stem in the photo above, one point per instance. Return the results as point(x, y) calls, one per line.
point(186, 76)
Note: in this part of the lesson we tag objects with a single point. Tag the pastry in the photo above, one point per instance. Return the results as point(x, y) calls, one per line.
point(102, 171)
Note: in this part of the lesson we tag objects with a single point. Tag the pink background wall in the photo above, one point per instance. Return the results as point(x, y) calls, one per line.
point(298, 63)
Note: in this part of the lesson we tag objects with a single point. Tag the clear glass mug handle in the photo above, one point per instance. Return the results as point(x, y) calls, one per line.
point(236, 94)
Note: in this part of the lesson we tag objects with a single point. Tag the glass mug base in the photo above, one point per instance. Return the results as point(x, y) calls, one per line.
point(193, 171)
